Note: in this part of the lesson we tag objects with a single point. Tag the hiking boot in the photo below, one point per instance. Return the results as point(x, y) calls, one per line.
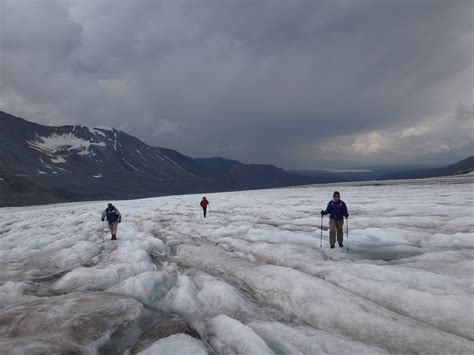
point(113, 238)
point(340, 244)
point(332, 246)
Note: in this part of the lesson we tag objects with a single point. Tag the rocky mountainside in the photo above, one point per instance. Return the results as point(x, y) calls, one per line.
point(44, 164)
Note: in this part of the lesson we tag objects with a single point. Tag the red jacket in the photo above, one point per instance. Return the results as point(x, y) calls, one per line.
point(204, 203)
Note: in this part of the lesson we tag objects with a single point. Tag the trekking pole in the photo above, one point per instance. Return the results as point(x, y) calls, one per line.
point(347, 232)
point(321, 243)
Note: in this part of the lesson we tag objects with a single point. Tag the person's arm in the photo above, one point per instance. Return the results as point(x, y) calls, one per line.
point(346, 214)
point(327, 211)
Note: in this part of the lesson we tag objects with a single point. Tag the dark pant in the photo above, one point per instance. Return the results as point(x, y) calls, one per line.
point(204, 209)
point(335, 226)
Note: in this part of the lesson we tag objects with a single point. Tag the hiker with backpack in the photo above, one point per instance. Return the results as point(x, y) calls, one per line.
point(337, 210)
point(204, 204)
point(113, 216)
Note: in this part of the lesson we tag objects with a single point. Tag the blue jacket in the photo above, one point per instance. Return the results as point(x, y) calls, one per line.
point(336, 210)
point(112, 215)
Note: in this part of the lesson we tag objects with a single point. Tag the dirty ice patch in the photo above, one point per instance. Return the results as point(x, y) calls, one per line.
point(203, 296)
point(13, 293)
point(113, 266)
point(326, 306)
point(75, 323)
point(228, 335)
point(118, 261)
point(432, 298)
point(147, 287)
point(306, 340)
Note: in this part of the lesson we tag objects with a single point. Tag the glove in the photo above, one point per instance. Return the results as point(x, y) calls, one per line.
point(102, 219)
point(323, 213)
point(347, 216)
point(120, 220)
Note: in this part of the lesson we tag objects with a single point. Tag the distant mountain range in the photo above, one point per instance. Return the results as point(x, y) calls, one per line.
point(462, 167)
point(390, 172)
point(43, 164)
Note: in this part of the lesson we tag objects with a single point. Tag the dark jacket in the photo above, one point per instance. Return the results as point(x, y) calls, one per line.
point(112, 215)
point(336, 210)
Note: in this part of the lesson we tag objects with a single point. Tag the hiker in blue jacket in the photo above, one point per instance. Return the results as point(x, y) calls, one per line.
point(112, 215)
point(337, 210)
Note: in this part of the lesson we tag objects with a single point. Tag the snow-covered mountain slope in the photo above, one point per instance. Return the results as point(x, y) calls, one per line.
point(43, 164)
point(249, 279)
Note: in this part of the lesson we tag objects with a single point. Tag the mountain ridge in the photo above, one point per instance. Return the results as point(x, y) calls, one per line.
point(379, 173)
point(46, 164)
point(461, 167)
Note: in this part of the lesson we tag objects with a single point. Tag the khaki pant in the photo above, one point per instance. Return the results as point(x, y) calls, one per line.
point(113, 228)
point(335, 226)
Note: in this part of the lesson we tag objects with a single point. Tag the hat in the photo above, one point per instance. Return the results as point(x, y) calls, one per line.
point(109, 205)
point(336, 193)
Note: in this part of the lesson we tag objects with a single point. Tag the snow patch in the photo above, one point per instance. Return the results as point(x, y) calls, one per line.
point(104, 128)
point(142, 156)
point(57, 143)
point(94, 131)
point(178, 344)
point(170, 160)
point(58, 159)
point(115, 141)
point(98, 176)
point(130, 165)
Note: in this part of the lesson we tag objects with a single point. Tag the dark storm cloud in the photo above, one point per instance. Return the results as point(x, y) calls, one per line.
point(295, 83)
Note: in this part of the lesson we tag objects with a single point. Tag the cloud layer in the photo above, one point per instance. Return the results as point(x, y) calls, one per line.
point(297, 83)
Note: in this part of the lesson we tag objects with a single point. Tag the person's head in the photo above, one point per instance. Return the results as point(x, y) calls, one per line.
point(204, 198)
point(336, 195)
point(110, 206)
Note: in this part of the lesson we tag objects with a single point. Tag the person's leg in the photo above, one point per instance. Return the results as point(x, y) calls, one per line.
point(332, 231)
point(111, 229)
point(204, 210)
point(114, 230)
point(340, 236)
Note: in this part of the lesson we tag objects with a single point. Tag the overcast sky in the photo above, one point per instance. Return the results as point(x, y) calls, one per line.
point(299, 84)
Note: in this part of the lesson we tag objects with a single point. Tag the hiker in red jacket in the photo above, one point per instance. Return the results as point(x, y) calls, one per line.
point(204, 203)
